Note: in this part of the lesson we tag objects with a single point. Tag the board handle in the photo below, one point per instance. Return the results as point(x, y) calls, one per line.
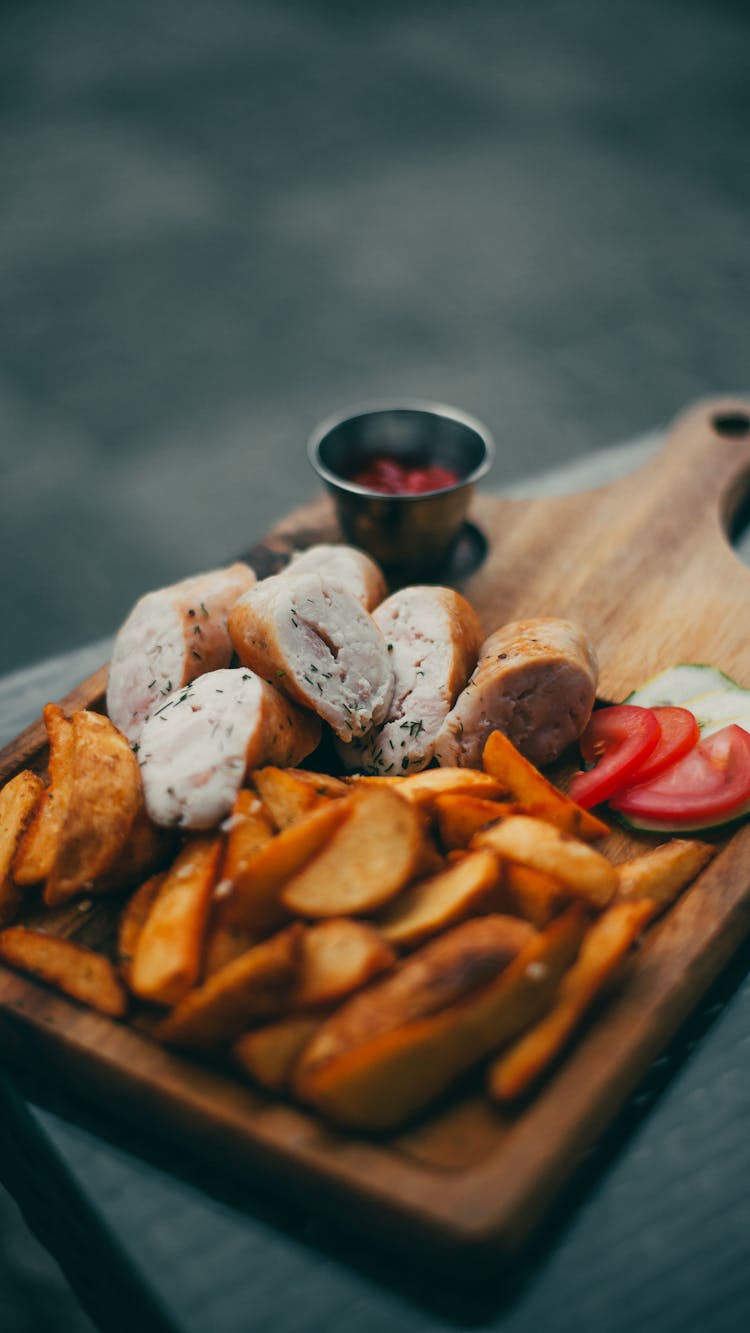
point(712, 439)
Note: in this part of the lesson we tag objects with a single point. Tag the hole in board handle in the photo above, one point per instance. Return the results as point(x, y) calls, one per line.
point(734, 425)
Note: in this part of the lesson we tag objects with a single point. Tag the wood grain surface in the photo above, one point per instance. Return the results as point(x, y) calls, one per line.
point(644, 564)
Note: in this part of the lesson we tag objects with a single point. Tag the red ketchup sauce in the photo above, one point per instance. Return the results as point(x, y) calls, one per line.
point(390, 477)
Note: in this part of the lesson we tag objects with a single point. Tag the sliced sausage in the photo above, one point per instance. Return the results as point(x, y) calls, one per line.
point(319, 646)
point(170, 637)
point(342, 568)
point(197, 747)
point(535, 681)
point(433, 638)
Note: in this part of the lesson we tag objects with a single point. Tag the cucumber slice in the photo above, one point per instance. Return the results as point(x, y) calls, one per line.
point(720, 708)
point(680, 683)
point(652, 826)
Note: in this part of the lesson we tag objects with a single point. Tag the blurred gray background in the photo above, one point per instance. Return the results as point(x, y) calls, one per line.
point(220, 222)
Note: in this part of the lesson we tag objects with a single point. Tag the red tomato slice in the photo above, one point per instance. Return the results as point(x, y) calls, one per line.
point(679, 733)
point(617, 740)
point(713, 779)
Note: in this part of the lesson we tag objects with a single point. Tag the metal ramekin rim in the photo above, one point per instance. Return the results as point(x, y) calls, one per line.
point(372, 408)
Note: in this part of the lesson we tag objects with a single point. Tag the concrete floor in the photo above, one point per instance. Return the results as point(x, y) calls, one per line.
point(221, 221)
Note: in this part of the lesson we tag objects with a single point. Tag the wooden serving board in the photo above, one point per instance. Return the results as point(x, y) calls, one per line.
point(644, 564)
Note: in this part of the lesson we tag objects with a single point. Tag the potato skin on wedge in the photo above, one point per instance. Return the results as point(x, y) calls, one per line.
point(168, 951)
point(269, 1053)
point(18, 799)
point(383, 1080)
point(37, 849)
point(77, 971)
point(105, 798)
point(253, 987)
point(442, 972)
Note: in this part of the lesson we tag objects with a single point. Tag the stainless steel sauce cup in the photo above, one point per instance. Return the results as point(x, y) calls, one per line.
point(410, 535)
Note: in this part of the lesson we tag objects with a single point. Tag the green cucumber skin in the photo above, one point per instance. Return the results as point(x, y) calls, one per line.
point(647, 826)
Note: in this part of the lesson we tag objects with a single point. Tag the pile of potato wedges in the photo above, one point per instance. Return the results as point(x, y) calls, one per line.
point(356, 945)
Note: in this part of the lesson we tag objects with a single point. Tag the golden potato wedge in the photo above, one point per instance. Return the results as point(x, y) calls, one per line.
point(18, 800)
point(38, 847)
point(254, 899)
point(249, 829)
point(257, 985)
point(430, 905)
point(525, 784)
point(541, 846)
point(460, 816)
point(269, 1054)
point(323, 783)
point(226, 939)
point(169, 950)
point(370, 857)
point(663, 872)
point(338, 956)
point(429, 861)
point(105, 797)
point(392, 1074)
point(441, 973)
point(132, 920)
point(285, 795)
point(147, 849)
point(424, 788)
point(68, 967)
point(604, 946)
point(532, 894)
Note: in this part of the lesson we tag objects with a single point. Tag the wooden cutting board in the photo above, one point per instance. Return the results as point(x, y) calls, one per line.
point(645, 566)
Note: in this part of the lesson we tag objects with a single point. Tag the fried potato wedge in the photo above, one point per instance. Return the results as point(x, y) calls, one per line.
point(604, 946)
point(38, 847)
point(249, 829)
point(429, 906)
point(460, 816)
point(663, 872)
point(254, 899)
point(105, 797)
point(132, 920)
point(256, 985)
point(392, 1074)
point(324, 783)
point(429, 861)
point(269, 1054)
point(18, 800)
point(247, 904)
point(532, 894)
point(338, 956)
point(423, 788)
point(147, 849)
point(523, 783)
point(169, 949)
point(286, 796)
point(541, 846)
point(440, 974)
point(369, 858)
point(68, 967)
